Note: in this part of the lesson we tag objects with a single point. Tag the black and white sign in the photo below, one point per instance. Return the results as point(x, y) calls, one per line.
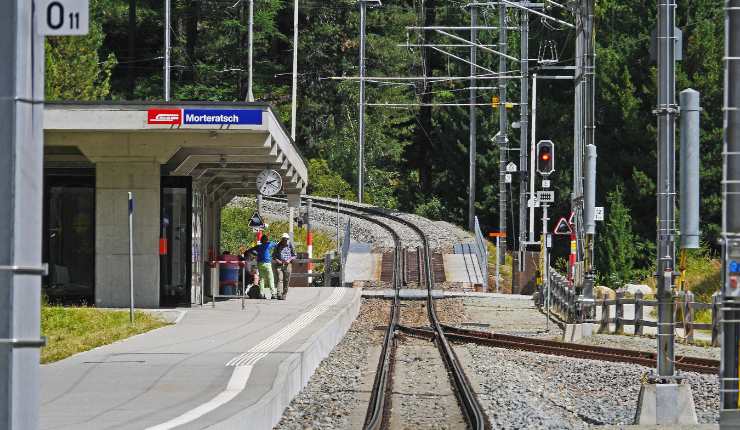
point(546, 196)
point(63, 17)
point(599, 213)
point(511, 167)
point(256, 221)
point(507, 178)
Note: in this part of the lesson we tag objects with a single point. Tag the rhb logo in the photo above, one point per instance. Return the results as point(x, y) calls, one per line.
point(164, 116)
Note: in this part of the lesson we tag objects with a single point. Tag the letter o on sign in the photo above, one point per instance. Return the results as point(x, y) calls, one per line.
point(55, 15)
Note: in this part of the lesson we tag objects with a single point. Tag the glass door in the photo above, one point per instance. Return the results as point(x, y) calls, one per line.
point(175, 241)
point(69, 238)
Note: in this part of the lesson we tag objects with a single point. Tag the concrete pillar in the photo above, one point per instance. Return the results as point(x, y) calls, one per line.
point(294, 201)
point(113, 180)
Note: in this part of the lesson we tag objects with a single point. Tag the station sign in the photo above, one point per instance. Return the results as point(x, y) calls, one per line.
point(169, 116)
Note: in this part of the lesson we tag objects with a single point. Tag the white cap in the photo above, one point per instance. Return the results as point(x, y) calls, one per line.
point(285, 236)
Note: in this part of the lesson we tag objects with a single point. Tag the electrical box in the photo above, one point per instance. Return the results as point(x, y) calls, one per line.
point(732, 284)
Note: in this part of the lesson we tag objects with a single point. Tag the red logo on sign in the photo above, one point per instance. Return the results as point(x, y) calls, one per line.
point(164, 116)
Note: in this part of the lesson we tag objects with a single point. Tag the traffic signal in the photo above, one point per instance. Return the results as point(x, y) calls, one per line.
point(545, 157)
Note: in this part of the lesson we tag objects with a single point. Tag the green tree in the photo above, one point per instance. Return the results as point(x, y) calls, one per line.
point(74, 69)
point(327, 183)
point(616, 250)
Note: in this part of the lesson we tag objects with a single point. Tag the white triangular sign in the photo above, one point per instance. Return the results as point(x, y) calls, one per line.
point(563, 228)
point(256, 220)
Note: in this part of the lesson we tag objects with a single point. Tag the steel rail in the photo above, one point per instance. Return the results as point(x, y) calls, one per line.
point(472, 410)
point(574, 350)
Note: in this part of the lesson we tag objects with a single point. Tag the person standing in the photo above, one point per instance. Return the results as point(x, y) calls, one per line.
point(264, 264)
point(283, 256)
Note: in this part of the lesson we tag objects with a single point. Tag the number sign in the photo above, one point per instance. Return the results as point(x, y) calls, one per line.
point(63, 17)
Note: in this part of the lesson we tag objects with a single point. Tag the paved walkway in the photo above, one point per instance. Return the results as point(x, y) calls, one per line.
point(217, 368)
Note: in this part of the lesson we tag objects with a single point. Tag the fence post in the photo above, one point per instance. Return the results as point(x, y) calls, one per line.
point(716, 317)
point(604, 326)
point(638, 312)
point(327, 271)
point(688, 316)
point(619, 310)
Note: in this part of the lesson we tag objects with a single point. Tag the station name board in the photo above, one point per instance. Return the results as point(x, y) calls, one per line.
point(204, 117)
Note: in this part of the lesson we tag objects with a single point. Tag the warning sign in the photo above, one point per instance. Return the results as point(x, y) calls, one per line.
point(256, 221)
point(563, 228)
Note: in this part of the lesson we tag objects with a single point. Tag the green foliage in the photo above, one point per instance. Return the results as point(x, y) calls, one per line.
point(432, 209)
point(325, 182)
point(74, 69)
point(235, 230)
point(617, 246)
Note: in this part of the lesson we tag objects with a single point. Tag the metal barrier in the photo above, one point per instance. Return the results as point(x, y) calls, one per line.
point(481, 252)
point(216, 282)
point(564, 303)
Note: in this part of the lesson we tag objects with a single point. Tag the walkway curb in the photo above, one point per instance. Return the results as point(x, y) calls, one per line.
point(294, 373)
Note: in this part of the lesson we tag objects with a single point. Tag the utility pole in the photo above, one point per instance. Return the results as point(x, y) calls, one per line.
point(666, 183)
point(523, 138)
point(501, 137)
point(250, 30)
point(361, 142)
point(729, 373)
point(21, 146)
point(166, 50)
point(473, 123)
point(294, 107)
point(589, 145)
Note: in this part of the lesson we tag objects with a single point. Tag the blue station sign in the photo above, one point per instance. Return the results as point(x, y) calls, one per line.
point(222, 117)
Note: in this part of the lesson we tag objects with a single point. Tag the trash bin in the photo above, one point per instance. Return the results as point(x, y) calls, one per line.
point(229, 279)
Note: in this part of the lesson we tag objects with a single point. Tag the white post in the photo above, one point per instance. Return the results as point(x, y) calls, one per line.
point(131, 254)
point(167, 50)
point(532, 156)
point(294, 107)
point(250, 93)
point(338, 252)
point(498, 249)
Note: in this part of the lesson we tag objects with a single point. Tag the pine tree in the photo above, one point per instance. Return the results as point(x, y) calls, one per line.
point(617, 246)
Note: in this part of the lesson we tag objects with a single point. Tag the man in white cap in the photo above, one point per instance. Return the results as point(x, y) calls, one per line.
point(282, 257)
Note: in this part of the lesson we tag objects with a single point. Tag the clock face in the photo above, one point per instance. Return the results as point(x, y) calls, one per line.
point(269, 182)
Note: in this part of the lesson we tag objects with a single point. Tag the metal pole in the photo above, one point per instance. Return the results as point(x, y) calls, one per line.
point(309, 238)
point(546, 261)
point(523, 133)
point(729, 372)
point(689, 168)
point(588, 231)
point(532, 146)
point(498, 247)
point(250, 77)
point(294, 107)
point(472, 151)
point(21, 146)
point(502, 140)
point(666, 192)
point(166, 50)
point(361, 143)
point(131, 255)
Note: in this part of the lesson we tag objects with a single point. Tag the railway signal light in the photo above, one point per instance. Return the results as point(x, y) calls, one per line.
point(545, 157)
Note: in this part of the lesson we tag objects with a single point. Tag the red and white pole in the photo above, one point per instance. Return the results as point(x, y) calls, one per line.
point(309, 238)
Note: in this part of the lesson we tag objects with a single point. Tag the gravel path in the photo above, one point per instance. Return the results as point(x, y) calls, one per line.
point(650, 344)
point(526, 390)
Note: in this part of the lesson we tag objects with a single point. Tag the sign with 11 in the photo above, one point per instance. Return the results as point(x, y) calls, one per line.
point(63, 17)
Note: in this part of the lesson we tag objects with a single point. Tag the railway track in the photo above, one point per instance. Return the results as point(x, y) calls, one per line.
point(689, 364)
point(379, 408)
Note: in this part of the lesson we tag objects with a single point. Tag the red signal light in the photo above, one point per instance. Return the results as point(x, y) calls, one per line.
point(545, 157)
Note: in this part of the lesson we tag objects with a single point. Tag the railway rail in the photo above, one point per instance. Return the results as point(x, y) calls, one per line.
point(379, 407)
point(689, 364)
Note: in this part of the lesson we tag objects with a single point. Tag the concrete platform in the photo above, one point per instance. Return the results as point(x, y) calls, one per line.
point(217, 368)
point(362, 264)
point(462, 267)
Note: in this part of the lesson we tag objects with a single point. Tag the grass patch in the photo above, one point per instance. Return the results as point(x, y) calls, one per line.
point(504, 270)
point(70, 330)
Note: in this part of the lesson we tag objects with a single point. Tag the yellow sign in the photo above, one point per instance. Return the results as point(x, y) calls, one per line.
point(495, 101)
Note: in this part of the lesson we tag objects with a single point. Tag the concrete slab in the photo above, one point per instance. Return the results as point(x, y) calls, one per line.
point(462, 268)
point(217, 368)
point(665, 404)
point(362, 264)
point(576, 332)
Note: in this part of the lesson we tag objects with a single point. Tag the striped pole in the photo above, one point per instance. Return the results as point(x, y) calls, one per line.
point(572, 258)
point(309, 238)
